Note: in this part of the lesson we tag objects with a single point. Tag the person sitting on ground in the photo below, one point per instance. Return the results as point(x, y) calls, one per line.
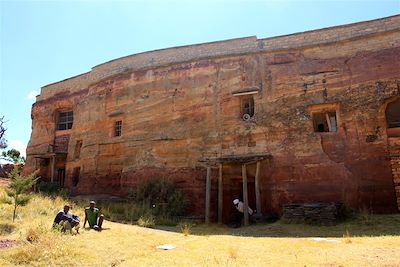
point(239, 205)
point(93, 217)
point(66, 221)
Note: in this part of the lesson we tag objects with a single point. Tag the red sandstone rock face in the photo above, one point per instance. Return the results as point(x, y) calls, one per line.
point(172, 116)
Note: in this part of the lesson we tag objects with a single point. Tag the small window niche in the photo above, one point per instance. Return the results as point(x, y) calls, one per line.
point(393, 118)
point(325, 121)
point(247, 107)
point(246, 97)
point(117, 128)
point(78, 147)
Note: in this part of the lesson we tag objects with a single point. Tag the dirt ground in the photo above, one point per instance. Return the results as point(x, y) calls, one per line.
point(6, 243)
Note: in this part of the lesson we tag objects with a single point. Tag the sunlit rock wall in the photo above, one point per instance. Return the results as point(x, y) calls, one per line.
point(177, 110)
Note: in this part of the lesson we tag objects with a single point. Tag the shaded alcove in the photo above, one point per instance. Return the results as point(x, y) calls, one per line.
point(393, 118)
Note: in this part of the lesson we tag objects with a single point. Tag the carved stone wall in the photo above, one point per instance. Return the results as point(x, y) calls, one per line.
point(175, 113)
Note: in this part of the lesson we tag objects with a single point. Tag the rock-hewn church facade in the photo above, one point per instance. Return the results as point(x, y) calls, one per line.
point(306, 117)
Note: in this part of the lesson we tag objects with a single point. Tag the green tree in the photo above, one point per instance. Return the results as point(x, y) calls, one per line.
point(18, 188)
point(13, 155)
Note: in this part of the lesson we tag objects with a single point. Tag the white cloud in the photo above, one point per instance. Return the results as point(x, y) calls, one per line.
point(16, 144)
point(32, 95)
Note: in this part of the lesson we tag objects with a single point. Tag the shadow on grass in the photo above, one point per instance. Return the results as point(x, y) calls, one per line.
point(376, 225)
point(6, 228)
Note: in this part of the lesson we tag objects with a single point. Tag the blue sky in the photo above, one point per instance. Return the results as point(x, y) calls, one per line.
point(42, 42)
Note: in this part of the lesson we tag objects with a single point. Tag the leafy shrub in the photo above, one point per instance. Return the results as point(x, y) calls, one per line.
point(366, 216)
point(347, 212)
point(163, 197)
point(49, 187)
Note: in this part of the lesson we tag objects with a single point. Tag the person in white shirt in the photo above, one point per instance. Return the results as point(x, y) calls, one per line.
point(239, 207)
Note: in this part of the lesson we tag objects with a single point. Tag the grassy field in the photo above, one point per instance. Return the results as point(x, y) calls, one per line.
point(370, 240)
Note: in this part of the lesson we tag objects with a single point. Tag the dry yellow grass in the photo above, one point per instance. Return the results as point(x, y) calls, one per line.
point(260, 245)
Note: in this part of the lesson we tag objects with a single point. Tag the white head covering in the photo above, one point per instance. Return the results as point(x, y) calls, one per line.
point(236, 201)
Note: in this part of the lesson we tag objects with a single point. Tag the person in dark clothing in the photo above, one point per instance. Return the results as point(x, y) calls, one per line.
point(66, 220)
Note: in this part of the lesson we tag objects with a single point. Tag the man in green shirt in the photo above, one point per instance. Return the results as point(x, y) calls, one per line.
point(93, 217)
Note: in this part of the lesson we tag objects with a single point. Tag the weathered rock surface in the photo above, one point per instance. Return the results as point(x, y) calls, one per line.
point(177, 106)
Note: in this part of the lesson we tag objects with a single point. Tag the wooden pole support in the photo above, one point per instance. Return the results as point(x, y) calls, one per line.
point(220, 194)
point(245, 196)
point(328, 121)
point(257, 188)
point(208, 195)
point(53, 163)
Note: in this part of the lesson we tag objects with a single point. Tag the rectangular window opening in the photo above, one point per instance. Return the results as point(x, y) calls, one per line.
point(65, 120)
point(118, 128)
point(325, 122)
point(247, 107)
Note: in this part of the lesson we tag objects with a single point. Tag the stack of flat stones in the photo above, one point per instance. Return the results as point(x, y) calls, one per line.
point(313, 213)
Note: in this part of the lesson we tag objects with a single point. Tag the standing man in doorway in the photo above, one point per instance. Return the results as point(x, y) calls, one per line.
point(93, 217)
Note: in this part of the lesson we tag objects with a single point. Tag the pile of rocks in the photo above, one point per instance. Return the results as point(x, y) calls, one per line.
point(314, 213)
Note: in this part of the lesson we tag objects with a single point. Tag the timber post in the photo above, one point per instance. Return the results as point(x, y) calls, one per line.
point(245, 196)
point(53, 163)
point(220, 194)
point(257, 188)
point(208, 195)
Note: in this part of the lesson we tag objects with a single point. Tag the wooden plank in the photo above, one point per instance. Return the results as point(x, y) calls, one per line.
point(220, 194)
point(245, 196)
point(257, 188)
point(328, 120)
point(208, 195)
point(235, 159)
